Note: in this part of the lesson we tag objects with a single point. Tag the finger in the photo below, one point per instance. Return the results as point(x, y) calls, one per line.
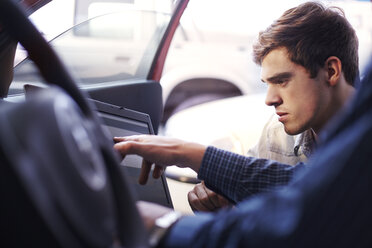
point(218, 200)
point(118, 139)
point(194, 202)
point(128, 147)
point(145, 171)
point(203, 197)
point(212, 196)
point(122, 156)
point(123, 147)
point(126, 138)
point(223, 202)
point(119, 150)
point(158, 171)
point(191, 200)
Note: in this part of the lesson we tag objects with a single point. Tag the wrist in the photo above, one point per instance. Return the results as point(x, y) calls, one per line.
point(162, 225)
point(192, 155)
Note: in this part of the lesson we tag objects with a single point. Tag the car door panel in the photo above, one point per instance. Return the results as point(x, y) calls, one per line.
point(90, 49)
point(140, 96)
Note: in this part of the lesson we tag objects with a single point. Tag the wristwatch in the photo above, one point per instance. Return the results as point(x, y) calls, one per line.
point(162, 224)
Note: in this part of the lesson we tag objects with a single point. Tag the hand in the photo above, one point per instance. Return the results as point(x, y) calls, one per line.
point(203, 199)
point(161, 151)
point(150, 212)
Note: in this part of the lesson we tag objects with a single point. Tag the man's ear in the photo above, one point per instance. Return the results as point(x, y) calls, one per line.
point(333, 67)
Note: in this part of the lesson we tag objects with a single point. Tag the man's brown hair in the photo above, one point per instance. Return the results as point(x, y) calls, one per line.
point(312, 33)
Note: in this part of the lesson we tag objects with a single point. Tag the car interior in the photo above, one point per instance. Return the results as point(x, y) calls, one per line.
point(62, 183)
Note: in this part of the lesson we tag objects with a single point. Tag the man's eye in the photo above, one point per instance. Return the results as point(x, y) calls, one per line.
point(281, 81)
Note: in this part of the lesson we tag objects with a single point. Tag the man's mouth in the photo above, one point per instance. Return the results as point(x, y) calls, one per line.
point(282, 116)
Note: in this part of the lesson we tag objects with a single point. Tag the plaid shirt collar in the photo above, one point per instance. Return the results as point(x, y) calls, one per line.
point(305, 143)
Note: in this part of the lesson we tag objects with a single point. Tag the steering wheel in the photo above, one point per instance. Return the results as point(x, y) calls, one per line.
point(57, 154)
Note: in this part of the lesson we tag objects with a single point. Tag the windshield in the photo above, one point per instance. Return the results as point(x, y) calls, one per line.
point(107, 48)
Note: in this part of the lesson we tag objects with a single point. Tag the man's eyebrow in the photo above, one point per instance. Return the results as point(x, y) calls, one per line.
point(282, 75)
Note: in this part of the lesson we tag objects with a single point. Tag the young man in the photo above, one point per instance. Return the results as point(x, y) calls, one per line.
point(309, 80)
point(327, 206)
point(292, 52)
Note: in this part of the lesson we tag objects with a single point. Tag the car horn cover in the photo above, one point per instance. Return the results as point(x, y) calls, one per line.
point(60, 165)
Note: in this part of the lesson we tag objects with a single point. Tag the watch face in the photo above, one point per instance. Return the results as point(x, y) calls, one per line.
point(162, 224)
point(168, 219)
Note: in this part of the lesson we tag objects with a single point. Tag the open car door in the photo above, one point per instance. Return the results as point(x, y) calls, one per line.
point(117, 56)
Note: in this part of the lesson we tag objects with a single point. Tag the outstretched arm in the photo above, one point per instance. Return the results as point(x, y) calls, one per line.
point(162, 152)
point(232, 175)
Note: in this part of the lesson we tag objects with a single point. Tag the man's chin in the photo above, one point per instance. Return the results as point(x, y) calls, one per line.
point(292, 130)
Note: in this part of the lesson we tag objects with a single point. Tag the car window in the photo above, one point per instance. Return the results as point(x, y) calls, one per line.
point(107, 48)
point(210, 57)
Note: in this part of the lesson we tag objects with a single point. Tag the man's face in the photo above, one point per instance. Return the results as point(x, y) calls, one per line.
point(300, 101)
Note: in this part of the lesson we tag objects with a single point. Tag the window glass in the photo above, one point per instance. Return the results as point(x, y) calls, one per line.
point(106, 48)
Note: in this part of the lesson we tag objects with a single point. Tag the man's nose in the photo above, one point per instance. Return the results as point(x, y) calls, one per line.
point(272, 96)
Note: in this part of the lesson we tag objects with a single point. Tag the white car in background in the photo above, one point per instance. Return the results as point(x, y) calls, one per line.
point(210, 56)
point(226, 126)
